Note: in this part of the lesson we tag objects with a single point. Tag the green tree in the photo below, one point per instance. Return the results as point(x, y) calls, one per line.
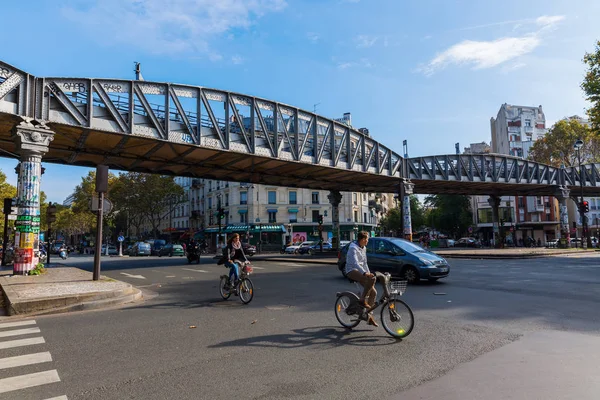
point(6, 191)
point(146, 197)
point(450, 214)
point(392, 221)
point(591, 86)
point(556, 147)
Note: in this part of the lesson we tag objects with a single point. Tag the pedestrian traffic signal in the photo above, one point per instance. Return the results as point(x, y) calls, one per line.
point(320, 219)
point(586, 206)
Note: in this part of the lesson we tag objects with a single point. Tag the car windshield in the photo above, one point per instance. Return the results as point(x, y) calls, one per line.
point(408, 247)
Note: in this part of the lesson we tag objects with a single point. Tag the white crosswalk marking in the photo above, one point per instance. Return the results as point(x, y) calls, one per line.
point(16, 332)
point(29, 380)
point(20, 323)
point(27, 359)
point(21, 342)
point(24, 363)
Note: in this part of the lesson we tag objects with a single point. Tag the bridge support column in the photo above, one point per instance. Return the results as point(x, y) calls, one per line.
point(562, 193)
point(335, 198)
point(32, 139)
point(494, 202)
point(406, 189)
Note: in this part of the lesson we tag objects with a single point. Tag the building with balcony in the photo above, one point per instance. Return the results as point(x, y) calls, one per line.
point(515, 128)
point(513, 132)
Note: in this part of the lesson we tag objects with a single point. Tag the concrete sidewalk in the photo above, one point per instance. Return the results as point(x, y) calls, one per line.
point(62, 289)
point(548, 365)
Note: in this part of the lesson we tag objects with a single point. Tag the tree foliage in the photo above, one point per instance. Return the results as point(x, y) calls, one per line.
point(6, 191)
point(591, 86)
point(146, 197)
point(450, 214)
point(556, 147)
point(392, 221)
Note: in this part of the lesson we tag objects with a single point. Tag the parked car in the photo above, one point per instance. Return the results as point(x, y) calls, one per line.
point(141, 249)
point(467, 242)
point(552, 243)
point(156, 245)
point(171, 250)
point(400, 258)
point(306, 244)
point(249, 249)
point(315, 248)
point(292, 249)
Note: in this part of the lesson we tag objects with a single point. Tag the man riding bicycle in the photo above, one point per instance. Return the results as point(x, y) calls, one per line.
point(358, 270)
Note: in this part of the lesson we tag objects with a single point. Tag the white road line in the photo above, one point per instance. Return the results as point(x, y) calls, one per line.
point(20, 323)
point(29, 380)
point(133, 276)
point(170, 276)
point(253, 267)
point(17, 332)
point(195, 270)
point(28, 359)
point(59, 398)
point(21, 342)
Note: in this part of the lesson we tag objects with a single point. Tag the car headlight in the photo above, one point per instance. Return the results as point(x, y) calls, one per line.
point(427, 263)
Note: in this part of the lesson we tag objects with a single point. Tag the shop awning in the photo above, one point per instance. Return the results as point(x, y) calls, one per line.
point(272, 210)
point(236, 228)
point(293, 210)
point(243, 211)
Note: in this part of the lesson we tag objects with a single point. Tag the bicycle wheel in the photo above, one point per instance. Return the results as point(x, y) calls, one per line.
point(346, 313)
point(246, 289)
point(397, 318)
point(225, 293)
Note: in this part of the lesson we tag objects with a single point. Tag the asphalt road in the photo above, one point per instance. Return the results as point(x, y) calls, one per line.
point(184, 342)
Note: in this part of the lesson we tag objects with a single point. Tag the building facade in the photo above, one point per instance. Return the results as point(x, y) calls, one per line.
point(515, 128)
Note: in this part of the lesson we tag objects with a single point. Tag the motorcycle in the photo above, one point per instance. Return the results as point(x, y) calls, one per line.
point(63, 253)
point(43, 256)
point(193, 254)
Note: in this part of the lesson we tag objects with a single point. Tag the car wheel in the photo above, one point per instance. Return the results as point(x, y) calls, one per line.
point(411, 274)
point(160, 255)
point(311, 252)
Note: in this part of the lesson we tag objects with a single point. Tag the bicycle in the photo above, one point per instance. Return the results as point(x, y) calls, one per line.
point(243, 288)
point(396, 316)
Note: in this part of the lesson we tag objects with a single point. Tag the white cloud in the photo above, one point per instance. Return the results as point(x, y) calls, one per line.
point(488, 54)
point(363, 62)
point(545, 20)
point(313, 37)
point(237, 59)
point(364, 41)
point(167, 26)
point(483, 54)
point(514, 67)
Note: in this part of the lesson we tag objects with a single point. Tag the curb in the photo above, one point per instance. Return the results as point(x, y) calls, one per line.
point(56, 304)
point(94, 304)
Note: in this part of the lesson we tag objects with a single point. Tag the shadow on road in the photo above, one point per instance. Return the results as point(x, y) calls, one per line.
point(313, 336)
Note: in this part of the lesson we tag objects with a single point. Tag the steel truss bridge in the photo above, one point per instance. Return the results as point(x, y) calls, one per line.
point(194, 131)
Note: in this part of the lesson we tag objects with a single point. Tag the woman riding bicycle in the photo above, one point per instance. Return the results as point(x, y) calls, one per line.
point(234, 253)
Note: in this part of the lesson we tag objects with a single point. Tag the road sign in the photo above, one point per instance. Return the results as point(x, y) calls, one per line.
point(470, 229)
point(106, 208)
point(120, 238)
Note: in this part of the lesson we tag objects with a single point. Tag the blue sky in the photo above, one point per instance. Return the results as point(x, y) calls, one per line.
point(430, 72)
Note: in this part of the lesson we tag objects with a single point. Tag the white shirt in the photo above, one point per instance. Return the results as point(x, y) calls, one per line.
point(356, 259)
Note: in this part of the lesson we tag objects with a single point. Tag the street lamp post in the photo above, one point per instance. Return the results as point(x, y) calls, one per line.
point(584, 234)
point(219, 218)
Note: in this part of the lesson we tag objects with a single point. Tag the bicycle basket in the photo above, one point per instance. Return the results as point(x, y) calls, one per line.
point(247, 269)
point(398, 287)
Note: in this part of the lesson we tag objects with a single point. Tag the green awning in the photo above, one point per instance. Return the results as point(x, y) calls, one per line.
point(269, 228)
point(293, 210)
point(236, 228)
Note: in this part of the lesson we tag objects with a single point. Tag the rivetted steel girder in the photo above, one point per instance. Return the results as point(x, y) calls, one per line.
point(200, 132)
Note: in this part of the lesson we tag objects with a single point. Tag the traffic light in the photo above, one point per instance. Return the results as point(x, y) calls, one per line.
point(8, 205)
point(585, 206)
point(320, 219)
point(221, 213)
point(51, 213)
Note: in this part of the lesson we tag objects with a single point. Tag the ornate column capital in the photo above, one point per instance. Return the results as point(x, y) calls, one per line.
point(335, 198)
point(32, 136)
point(408, 187)
point(562, 192)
